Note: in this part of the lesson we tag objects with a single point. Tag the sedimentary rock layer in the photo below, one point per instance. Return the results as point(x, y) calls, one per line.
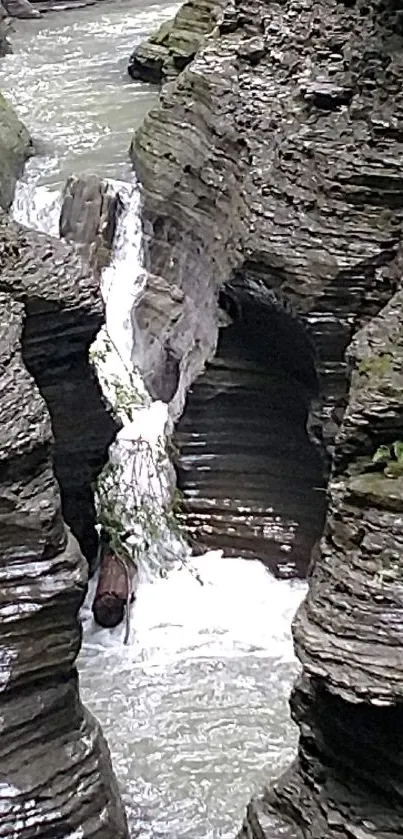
point(55, 773)
point(251, 480)
point(276, 153)
point(172, 47)
point(273, 163)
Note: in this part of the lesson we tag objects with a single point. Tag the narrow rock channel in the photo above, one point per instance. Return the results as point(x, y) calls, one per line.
point(250, 274)
point(195, 709)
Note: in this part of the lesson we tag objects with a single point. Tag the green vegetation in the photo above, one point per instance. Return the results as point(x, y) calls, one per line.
point(376, 365)
point(390, 459)
point(131, 493)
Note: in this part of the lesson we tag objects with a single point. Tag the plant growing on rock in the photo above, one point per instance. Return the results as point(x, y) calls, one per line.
point(375, 365)
point(390, 459)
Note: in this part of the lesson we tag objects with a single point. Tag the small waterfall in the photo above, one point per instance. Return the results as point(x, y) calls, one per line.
point(146, 478)
point(195, 709)
point(141, 478)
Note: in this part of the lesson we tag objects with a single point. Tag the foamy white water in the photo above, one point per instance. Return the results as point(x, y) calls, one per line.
point(196, 707)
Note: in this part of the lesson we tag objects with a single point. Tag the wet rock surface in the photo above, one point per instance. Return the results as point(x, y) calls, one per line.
point(167, 52)
point(274, 160)
point(56, 775)
point(248, 170)
point(89, 213)
point(20, 8)
point(252, 482)
point(5, 46)
point(15, 147)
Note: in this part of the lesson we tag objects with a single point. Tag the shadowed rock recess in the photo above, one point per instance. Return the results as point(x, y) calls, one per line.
point(273, 165)
point(56, 778)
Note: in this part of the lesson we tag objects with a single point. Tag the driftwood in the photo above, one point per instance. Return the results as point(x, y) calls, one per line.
point(115, 590)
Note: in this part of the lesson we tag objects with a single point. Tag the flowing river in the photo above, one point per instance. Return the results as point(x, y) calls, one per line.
point(195, 709)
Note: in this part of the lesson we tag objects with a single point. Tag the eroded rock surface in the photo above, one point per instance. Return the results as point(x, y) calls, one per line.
point(347, 703)
point(245, 168)
point(5, 46)
point(15, 147)
point(55, 772)
point(167, 52)
point(89, 213)
point(274, 160)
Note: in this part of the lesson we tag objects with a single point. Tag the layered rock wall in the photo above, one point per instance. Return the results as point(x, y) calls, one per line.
point(276, 153)
point(272, 165)
point(56, 777)
point(348, 702)
point(167, 52)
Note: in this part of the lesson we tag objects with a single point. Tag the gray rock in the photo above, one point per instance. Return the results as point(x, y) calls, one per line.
point(50, 310)
point(5, 46)
point(287, 173)
point(15, 147)
point(167, 52)
point(88, 217)
point(21, 9)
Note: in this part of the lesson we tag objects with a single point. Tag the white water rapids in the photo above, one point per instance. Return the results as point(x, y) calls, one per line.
point(195, 709)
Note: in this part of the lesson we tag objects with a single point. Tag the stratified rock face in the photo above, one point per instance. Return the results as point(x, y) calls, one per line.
point(15, 147)
point(348, 631)
point(346, 781)
point(174, 45)
point(64, 313)
point(251, 481)
point(276, 156)
point(277, 153)
point(55, 772)
point(88, 217)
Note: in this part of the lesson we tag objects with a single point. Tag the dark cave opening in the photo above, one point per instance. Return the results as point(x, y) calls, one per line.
point(252, 482)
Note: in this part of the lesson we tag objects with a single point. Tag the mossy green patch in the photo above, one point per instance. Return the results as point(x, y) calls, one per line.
point(376, 365)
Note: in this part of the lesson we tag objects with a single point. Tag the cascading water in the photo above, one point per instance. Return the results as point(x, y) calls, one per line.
point(195, 707)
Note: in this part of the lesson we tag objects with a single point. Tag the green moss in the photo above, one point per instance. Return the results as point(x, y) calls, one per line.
point(376, 365)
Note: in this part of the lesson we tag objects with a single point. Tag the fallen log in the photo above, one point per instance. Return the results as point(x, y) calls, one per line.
point(115, 590)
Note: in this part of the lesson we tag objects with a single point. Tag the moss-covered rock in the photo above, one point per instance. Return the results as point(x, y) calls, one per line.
point(167, 52)
point(15, 147)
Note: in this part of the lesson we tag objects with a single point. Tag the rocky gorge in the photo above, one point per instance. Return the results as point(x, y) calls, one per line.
point(271, 213)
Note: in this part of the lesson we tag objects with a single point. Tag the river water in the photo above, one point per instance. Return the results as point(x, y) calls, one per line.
point(195, 709)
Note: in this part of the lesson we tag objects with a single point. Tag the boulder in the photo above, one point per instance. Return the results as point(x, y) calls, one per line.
point(89, 213)
point(167, 52)
point(15, 147)
point(20, 8)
